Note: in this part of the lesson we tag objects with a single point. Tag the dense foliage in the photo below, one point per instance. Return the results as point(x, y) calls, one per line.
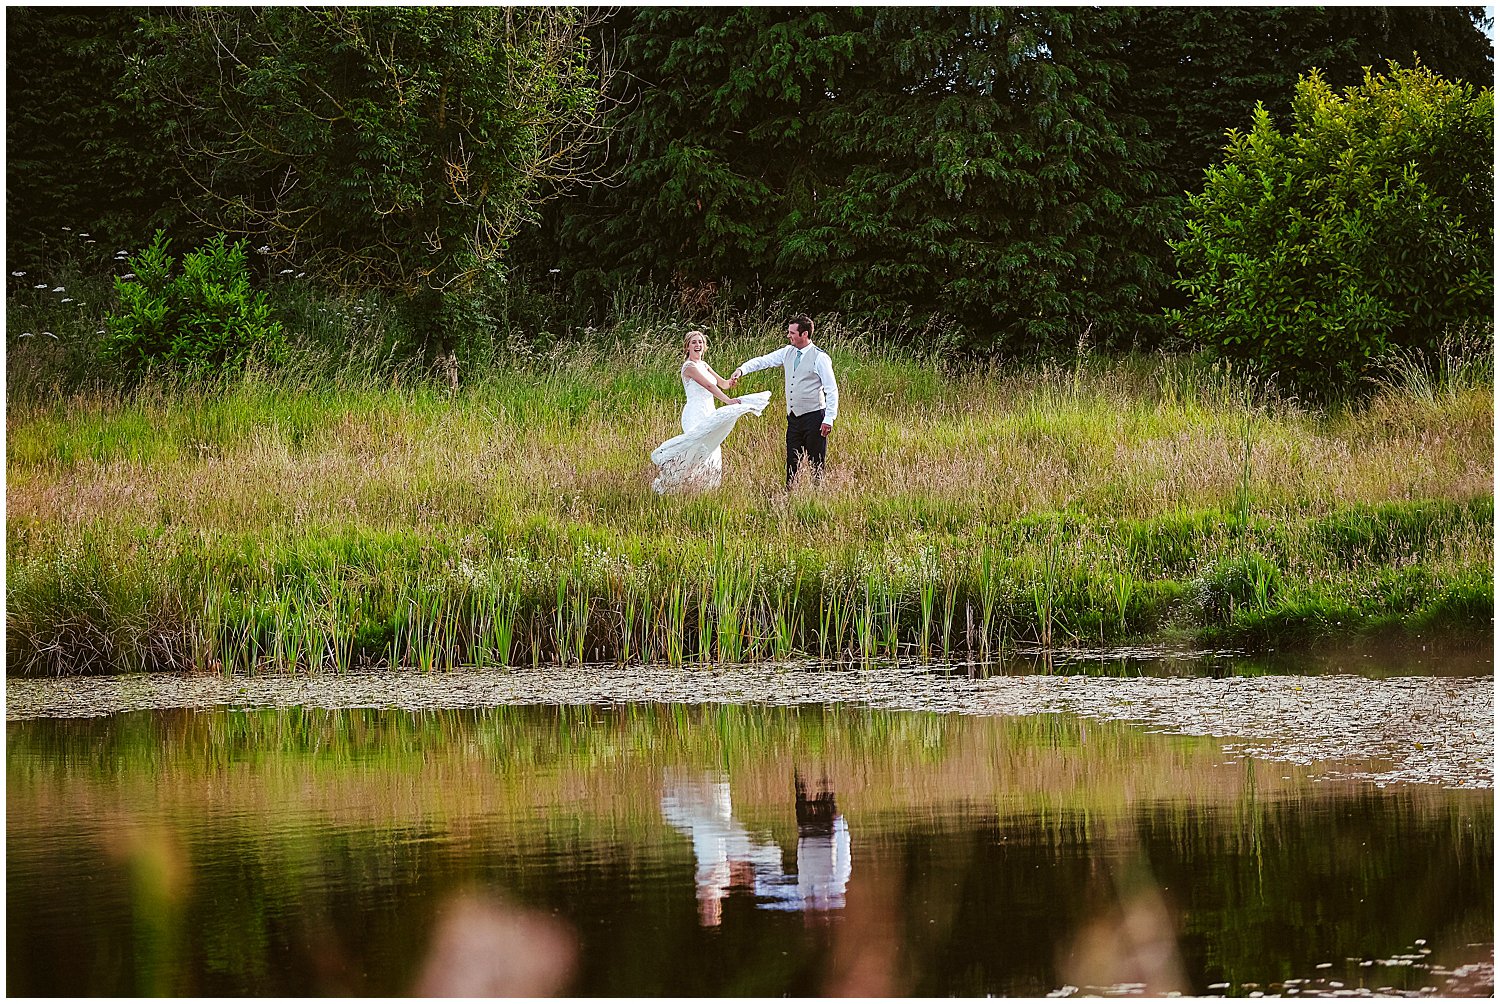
point(1005, 177)
point(952, 162)
point(1368, 225)
point(79, 154)
point(1017, 171)
point(1196, 72)
point(397, 149)
point(202, 318)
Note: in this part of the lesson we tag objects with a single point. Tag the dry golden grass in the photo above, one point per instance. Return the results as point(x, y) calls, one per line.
point(1006, 450)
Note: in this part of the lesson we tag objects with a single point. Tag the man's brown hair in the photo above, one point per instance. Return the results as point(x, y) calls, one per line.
point(803, 322)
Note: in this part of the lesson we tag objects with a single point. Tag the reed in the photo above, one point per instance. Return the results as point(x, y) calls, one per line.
point(786, 619)
point(927, 597)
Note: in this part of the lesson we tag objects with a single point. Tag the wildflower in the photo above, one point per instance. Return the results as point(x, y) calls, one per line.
point(263, 250)
point(82, 234)
point(65, 228)
point(25, 334)
point(40, 285)
point(285, 271)
point(67, 299)
point(128, 275)
point(59, 289)
point(49, 334)
point(553, 271)
point(301, 274)
point(18, 273)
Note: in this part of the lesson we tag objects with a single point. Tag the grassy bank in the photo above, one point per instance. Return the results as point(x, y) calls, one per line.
point(324, 523)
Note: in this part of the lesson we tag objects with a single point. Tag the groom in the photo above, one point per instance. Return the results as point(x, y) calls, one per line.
point(812, 396)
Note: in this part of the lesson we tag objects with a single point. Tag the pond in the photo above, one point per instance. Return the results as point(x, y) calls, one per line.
point(755, 830)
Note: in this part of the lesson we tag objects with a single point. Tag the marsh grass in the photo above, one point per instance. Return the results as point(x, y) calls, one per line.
point(312, 523)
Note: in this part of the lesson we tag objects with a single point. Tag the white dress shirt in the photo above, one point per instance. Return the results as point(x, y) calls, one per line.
point(785, 356)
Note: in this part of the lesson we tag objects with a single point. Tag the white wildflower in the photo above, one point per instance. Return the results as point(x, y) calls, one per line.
point(285, 271)
point(67, 299)
point(49, 334)
point(18, 273)
point(128, 275)
point(59, 289)
point(40, 285)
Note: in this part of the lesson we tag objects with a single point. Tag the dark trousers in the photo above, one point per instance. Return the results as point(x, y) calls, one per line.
point(805, 443)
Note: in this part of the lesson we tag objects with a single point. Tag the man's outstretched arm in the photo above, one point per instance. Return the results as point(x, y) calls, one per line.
point(764, 362)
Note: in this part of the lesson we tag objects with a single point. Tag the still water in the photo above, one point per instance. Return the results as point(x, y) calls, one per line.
point(691, 849)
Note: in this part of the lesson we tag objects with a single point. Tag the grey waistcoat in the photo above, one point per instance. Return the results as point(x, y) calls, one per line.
point(804, 390)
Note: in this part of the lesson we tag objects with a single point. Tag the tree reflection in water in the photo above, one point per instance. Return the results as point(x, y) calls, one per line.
point(728, 857)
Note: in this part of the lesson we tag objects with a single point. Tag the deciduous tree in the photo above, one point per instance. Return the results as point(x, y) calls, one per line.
point(1367, 225)
point(390, 148)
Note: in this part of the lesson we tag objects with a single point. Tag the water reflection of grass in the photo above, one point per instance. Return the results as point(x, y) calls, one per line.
point(388, 765)
point(314, 528)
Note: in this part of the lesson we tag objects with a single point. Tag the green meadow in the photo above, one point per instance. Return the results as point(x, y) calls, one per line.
point(325, 518)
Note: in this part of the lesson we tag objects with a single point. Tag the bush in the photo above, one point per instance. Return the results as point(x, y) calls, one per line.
point(203, 320)
point(1367, 228)
point(1248, 581)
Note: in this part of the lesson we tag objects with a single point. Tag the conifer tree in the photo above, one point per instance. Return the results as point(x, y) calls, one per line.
point(963, 165)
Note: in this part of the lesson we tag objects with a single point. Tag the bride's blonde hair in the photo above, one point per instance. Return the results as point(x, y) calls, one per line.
point(688, 338)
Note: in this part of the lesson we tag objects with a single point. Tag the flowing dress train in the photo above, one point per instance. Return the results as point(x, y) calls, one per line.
point(693, 459)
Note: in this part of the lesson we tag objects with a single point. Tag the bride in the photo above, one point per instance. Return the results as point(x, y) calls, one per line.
point(693, 460)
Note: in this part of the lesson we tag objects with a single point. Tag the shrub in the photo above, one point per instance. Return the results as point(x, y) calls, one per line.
point(1249, 581)
point(1366, 228)
point(203, 319)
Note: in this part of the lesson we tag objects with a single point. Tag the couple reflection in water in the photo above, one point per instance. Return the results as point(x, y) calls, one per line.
point(729, 858)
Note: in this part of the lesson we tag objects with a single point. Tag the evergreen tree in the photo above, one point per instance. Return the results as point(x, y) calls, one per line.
point(80, 152)
point(965, 164)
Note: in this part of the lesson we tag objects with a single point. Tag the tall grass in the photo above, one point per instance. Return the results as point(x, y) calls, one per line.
point(311, 523)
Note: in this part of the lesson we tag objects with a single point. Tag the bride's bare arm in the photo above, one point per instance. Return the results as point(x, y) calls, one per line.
point(698, 376)
point(723, 384)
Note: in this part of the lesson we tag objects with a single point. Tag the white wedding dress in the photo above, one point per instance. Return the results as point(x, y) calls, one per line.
point(693, 460)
